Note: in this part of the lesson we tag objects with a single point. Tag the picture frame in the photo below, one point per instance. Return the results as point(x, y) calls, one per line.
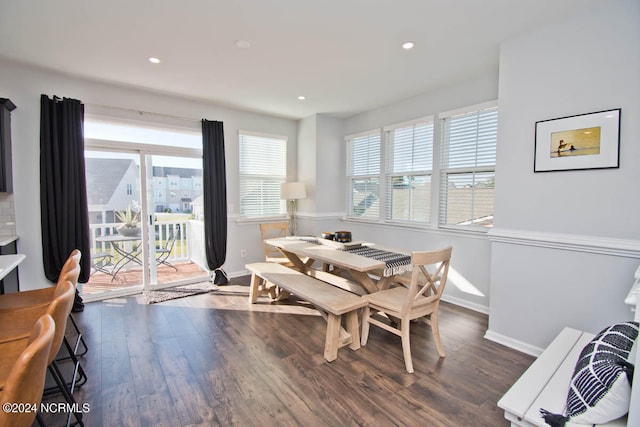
point(582, 141)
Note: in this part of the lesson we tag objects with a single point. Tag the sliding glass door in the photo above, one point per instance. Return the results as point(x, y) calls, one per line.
point(116, 220)
point(146, 211)
point(175, 209)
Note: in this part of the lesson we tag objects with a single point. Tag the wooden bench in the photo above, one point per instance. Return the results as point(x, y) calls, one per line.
point(545, 383)
point(331, 301)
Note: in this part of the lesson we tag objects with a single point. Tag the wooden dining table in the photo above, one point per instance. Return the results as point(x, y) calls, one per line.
point(366, 273)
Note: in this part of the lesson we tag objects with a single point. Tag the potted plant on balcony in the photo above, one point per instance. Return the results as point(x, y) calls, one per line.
point(130, 225)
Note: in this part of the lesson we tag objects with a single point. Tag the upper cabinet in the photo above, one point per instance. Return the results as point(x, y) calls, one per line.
point(6, 177)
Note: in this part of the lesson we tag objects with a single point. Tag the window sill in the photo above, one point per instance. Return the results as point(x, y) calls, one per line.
point(261, 219)
point(452, 230)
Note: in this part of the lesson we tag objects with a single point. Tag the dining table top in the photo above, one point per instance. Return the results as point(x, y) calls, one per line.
point(351, 257)
point(329, 253)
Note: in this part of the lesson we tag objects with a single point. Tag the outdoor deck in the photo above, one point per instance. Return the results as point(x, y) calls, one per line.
point(101, 282)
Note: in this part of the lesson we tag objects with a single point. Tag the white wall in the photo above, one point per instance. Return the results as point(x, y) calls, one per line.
point(566, 244)
point(24, 85)
point(321, 168)
point(306, 167)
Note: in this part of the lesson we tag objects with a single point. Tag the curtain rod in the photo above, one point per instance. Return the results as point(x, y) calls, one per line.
point(143, 113)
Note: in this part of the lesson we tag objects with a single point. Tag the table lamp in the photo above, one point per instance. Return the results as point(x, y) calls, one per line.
point(292, 191)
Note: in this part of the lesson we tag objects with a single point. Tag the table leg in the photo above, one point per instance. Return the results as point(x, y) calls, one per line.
point(384, 282)
point(126, 258)
point(364, 279)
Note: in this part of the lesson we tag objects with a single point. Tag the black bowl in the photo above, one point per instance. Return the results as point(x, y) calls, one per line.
point(342, 236)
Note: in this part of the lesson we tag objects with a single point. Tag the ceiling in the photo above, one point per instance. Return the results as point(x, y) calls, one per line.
point(344, 56)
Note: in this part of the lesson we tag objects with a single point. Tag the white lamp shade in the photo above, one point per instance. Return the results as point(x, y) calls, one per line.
point(292, 191)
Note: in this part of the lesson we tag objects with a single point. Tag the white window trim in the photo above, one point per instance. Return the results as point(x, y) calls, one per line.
point(261, 135)
point(429, 118)
point(468, 109)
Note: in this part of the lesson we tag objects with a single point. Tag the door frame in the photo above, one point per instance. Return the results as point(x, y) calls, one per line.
point(145, 152)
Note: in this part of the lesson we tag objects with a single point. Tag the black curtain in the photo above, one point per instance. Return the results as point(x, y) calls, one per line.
point(215, 197)
point(63, 193)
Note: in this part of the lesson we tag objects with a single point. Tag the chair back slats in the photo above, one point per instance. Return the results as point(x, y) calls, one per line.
point(426, 288)
point(272, 230)
point(173, 236)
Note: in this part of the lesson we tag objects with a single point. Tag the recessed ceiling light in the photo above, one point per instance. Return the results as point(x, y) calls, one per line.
point(243, 44)
point(154, 60)
point(302, 97)
point(407, 45)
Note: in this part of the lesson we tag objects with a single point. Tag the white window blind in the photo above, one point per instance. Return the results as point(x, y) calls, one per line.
point(468, 168)
point(363, 174)
point(409, 167)
point(263, 167)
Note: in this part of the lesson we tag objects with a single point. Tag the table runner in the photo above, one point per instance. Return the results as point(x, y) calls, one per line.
point(396, 263)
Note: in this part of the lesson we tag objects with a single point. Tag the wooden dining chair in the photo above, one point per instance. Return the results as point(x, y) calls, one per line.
point(25, 379)
point(70, 272)
point(272, 230)
point(417, 297)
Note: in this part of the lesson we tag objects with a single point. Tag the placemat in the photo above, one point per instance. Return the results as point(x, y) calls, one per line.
point(396, 263)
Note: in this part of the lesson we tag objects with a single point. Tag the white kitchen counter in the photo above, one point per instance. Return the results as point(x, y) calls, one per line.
point(8, 263)
point(5, 240)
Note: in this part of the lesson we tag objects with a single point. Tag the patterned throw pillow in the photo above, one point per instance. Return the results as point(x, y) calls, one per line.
point(600, 389)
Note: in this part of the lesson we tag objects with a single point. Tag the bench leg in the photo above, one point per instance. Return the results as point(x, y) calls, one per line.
point(353, 329)
point(332, 340)
point(253, 289)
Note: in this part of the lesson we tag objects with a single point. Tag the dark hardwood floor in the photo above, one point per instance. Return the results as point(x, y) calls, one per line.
point(213, 360)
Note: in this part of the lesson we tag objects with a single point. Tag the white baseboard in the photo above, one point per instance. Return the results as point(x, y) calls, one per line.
point(513, 343)
point(466, 304)
point(239, 273)
point(116, 293)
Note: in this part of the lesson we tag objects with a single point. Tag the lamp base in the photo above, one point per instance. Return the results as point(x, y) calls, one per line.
point(291, 210)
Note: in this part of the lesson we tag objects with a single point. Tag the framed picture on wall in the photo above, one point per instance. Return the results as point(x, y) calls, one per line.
point(583, 141)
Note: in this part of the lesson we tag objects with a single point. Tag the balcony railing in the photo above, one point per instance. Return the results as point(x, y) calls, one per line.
point(162, 230)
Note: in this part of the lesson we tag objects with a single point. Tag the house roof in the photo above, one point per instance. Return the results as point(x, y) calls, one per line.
point(103, 177)
point(181, 172)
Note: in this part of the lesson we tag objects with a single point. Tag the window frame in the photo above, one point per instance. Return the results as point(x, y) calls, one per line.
point(388, 148)
point(445, 171)
point(276, 178)
point(351, 176)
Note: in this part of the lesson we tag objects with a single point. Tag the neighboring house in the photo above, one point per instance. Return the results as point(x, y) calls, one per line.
point(175, 189)
point(112, 184)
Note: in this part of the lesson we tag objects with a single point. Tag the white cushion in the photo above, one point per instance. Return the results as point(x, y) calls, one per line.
point(600, 389)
